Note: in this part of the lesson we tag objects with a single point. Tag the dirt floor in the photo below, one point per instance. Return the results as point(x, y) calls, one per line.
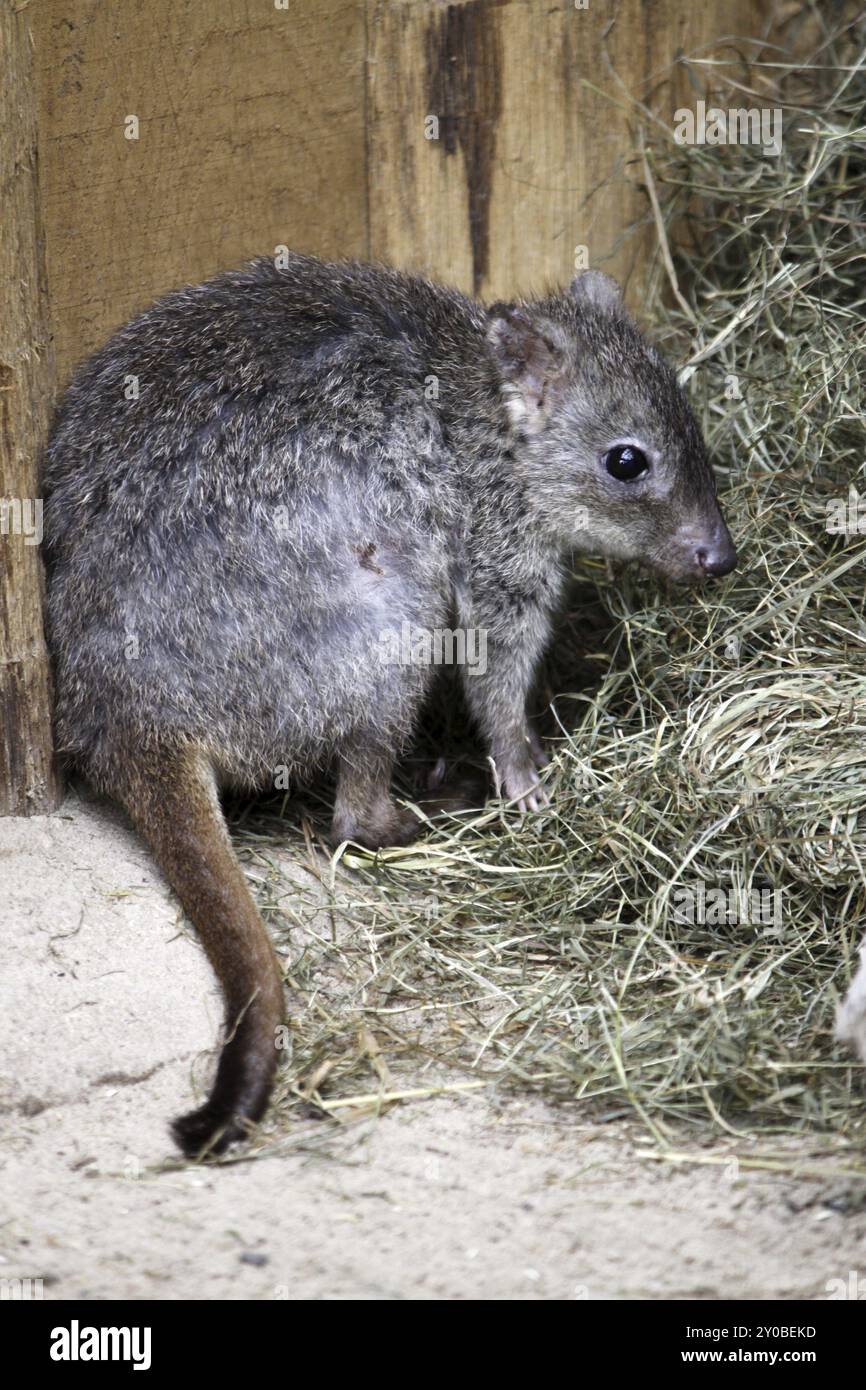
point(108, 1006)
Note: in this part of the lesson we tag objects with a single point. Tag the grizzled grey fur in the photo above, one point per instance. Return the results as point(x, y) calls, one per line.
point(319, 453)
point(290, 423)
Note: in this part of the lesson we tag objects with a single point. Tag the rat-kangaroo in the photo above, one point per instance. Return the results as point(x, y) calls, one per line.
point(258, 478)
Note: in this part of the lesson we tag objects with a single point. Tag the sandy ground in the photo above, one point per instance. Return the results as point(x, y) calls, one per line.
point(108, 1005)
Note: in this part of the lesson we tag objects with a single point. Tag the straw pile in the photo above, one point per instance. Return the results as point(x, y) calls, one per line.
point(672, 939)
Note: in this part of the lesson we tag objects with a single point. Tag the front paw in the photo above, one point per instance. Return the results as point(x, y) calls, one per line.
point(521, 785)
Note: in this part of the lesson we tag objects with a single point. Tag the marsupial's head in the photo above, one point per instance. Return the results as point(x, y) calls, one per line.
point(604, 435)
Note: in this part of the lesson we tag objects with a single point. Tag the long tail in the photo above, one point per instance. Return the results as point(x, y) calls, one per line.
point(174, 803)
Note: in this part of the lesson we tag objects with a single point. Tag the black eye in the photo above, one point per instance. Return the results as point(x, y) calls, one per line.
point(625, 463)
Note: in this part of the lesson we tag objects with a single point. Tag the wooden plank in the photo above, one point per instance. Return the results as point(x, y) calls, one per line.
point(251, 136)
point(28, 784)
point(530, 162)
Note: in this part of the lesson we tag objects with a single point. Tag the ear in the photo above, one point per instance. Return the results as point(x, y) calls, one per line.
point(598, 289)
point(530, 356)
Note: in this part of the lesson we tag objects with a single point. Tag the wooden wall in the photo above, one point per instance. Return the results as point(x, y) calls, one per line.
point(251, 135)
point(534, 156)
point(307, 126)
point(27, 781)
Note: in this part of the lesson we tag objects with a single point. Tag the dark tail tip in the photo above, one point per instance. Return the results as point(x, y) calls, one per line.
point(240, 1093)
point(209, 1131)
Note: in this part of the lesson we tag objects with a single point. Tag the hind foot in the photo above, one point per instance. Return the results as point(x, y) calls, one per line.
point(384, 824)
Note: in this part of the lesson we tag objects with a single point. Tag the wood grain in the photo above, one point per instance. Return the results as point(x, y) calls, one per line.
point(28, 784)
point(536, 148)
point(251, 136)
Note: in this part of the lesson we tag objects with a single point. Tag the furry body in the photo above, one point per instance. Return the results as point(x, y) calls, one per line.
point(255, 479)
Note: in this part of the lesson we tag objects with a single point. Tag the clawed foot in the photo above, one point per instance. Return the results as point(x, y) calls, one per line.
point(386, 828)
point(518, 780)
point(387, 825)
point(527, 793)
